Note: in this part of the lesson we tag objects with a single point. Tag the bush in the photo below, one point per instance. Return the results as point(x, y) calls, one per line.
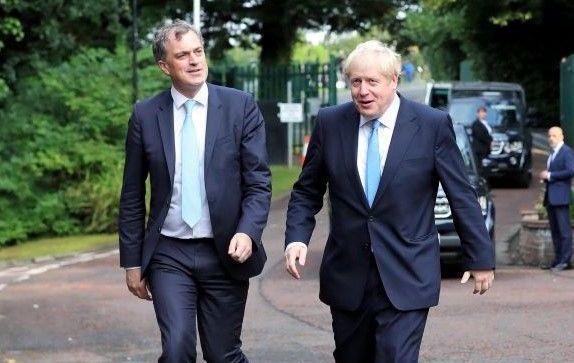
point(62, 145)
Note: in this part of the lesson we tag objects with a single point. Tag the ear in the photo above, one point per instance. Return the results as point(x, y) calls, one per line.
point(164, 67)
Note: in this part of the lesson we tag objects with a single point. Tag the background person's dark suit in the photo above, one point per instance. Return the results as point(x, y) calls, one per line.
point(557, 198)
point(481, 140)
point(397, 233)
point(237, 186)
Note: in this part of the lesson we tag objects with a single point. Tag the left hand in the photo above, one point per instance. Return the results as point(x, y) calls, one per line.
point(483, 280)
point(240, 247)
point(543, 175)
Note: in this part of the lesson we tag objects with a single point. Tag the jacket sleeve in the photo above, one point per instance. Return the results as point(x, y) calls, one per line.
point(307, 194)
point(255, 173)
point(478, 249)
point(132, 199)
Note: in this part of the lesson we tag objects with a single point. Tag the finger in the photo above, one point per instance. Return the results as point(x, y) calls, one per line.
point(302, 256)
point(232, 246)
point(291, 266)
point(465, 277)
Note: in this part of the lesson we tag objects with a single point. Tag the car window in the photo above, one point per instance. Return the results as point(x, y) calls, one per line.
point(463, 113)
point(502, 116)
point(465, 149)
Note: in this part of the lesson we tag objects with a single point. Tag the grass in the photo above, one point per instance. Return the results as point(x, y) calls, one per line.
point(283, 178)
point(58, 246)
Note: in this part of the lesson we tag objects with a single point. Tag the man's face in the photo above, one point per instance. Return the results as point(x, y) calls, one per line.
point(185, 63)
point(372, 92)
point(481, 114)
point(555, 136)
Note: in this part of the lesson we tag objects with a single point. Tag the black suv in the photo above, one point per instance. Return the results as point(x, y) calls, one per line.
point(511, 149)
point(450, 249)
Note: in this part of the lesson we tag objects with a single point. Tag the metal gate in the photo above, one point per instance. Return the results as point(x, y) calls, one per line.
point(312, 84)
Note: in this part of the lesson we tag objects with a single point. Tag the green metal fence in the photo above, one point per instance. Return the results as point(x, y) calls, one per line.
point(313, 84)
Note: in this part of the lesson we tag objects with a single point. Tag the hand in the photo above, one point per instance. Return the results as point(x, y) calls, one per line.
point(483, 280)
point(292, 255)
point(240, 247)
point(138, 286)
point(543, 175)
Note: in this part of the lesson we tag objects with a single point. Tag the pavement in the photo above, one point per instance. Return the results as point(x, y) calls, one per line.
point(77, 309)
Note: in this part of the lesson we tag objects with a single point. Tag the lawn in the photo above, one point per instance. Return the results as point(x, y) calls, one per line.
point(283, 178)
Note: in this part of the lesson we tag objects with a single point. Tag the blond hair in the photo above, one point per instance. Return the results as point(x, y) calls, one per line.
point(388, 60)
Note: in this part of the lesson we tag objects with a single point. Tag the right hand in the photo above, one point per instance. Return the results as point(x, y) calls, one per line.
point(137, 286)
point(293, 255)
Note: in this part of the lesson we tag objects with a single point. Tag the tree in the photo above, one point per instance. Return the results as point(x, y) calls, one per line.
point(507, 40)
point(271, 24)
point(38, 33)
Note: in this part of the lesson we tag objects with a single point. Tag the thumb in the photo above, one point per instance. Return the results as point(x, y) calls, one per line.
point(465, 277)
point(232, 245)
point(302, 256)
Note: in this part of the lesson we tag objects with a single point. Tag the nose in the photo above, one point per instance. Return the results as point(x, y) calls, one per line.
point(363, 89)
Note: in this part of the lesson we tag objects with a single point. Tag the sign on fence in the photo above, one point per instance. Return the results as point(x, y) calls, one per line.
point(290, 112)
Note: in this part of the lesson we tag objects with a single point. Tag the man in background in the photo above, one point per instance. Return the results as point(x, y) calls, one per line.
point(481, 135)
point(557, 197)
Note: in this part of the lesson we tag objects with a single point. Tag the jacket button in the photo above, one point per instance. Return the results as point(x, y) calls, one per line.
point(371, 219)
point(158, 229)
point(366, 245)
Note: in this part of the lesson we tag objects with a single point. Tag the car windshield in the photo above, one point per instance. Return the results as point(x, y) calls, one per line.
point(498, 116)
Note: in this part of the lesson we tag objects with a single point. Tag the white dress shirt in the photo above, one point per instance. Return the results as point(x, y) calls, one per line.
point(388, 121)
point(174, 226)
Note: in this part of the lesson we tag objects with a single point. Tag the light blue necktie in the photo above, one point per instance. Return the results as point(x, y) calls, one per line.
point(190, 190)
point(373, 174)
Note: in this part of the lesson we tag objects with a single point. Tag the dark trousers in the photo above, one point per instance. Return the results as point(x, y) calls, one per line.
point(188, 283)
point(377, 332)
point(559, 220)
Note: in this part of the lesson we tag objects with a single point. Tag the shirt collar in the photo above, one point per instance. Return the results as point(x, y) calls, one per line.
point(558, 146)
point(389, 118)
point(200, 96)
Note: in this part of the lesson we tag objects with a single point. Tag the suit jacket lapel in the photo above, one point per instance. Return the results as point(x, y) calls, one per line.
point(165, 125)
point(349, 136)
point(214, 120)
point(405, 129)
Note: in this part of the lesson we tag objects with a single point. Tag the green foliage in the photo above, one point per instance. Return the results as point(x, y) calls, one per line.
point(507, 40)
point(62, 143)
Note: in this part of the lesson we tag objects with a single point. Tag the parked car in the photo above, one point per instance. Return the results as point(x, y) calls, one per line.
point(511, 149)
point(450, 247)
point(440, 94)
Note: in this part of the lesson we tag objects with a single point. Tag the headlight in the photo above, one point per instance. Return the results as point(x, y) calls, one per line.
point(513, 147)
point(483, 204)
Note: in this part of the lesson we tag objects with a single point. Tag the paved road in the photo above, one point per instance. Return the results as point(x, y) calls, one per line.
point(78, 309)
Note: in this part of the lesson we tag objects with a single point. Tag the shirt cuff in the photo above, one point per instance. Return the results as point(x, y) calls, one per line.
point(294, 244)
point(548, 176)
point(132, 268)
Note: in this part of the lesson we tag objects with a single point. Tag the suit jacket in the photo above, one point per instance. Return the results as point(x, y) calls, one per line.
point(399, 228)
point(561, 172)
point(237, 178)
point(481, 140)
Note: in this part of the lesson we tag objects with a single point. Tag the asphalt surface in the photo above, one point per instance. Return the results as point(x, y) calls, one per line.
point(78, 309)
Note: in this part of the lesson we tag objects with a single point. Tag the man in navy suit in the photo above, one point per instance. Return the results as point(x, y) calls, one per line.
point(558, 179)
point(382, 158)
point(203, 148)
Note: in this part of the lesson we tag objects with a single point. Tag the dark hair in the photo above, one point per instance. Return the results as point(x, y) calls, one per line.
point(179, 28)
point(481, 108)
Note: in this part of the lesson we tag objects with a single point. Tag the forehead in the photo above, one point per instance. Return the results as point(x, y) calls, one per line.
point(186, 41)
point(365, 65)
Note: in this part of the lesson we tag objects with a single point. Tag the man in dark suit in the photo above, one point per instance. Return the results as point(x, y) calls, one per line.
point(481, 135)
point(557, 197)
point(382, 157)
point(203, 147)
